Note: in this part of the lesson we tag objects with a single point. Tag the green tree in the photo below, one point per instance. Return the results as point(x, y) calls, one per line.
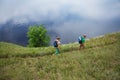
point(38, 36)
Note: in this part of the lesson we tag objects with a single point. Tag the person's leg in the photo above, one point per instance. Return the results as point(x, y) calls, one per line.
point(57, 51)
point(81, 46)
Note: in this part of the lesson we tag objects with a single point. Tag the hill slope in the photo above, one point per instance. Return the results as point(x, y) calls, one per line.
point(99, 61)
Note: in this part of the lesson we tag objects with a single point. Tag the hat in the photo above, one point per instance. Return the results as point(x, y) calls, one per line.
point(57, 37)
point(84, 35)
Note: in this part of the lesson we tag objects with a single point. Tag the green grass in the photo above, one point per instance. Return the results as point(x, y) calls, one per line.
point(12, 50)
point(100, 60)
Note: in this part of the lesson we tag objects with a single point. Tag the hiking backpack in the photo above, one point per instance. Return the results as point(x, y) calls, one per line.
point(79, 39)
point(55, 44)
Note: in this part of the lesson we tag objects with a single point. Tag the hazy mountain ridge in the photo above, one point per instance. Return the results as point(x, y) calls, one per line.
point(17, 32)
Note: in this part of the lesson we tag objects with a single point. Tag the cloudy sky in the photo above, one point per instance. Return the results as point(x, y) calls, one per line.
point(70, 17)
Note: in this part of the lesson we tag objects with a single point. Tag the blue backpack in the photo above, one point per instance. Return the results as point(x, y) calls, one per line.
point(55, 44)
point(79, 39)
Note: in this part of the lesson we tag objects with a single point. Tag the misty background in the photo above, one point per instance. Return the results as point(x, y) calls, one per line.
point(65, 18)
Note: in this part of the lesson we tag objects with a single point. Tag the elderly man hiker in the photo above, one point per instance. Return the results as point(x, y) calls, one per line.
point(81, 41)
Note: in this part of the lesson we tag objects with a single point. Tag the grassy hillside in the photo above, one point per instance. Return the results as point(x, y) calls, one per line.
point(100, 60)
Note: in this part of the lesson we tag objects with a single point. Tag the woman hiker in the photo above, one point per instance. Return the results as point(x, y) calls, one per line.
point(57, 45)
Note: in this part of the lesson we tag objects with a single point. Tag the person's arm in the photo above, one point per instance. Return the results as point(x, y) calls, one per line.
point(58, 44)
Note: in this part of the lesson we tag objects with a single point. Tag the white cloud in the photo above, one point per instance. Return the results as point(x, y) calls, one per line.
point(54, 9)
